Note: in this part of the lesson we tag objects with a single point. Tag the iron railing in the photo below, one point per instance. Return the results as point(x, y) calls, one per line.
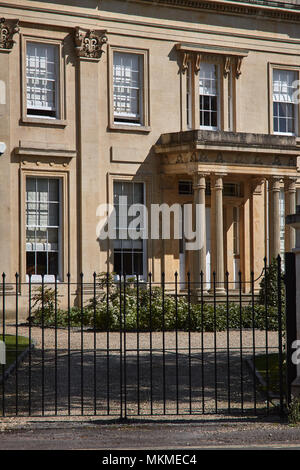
point(131, 348)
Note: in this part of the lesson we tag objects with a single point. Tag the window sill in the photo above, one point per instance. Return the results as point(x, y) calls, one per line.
point(285, 133)
point(130, 128)
point(209, 128)
point(44, 121)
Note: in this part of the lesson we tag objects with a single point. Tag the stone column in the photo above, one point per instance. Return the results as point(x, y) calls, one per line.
point(257, 227)
point(217, 231)
point(199, 255)
point(290, 208)
point(274, 217)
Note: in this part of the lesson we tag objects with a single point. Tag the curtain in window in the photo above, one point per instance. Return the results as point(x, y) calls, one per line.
point(127, 80)
point(284, 114)
point(42, 226)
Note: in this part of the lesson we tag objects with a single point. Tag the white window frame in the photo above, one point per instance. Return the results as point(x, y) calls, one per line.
point(143, 276)
point(60, 116)
point(134, 119)
point(288, 68)
point(48, 109)
point(47, 277)
point(217, 95)
point(295, 110)
point(144, 115)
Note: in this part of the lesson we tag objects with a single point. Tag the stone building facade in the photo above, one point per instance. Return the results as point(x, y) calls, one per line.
point(162, 101)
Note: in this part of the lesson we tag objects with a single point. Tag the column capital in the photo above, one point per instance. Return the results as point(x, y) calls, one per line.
point(275, 183)
point(199, 180)
point(8, 28)
point(89, 43)
point(290, 184)
point(217, 180)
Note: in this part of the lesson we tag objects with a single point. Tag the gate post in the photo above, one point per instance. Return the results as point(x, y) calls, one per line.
point(291, 324)
point(293, 304)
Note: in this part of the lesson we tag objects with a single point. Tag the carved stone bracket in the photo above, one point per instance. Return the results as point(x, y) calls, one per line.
point(197, 63)
point(257, 184)
point(89, 43)
point(8, 28)
point(227, 66)
point(185, 62)
point(239, 66)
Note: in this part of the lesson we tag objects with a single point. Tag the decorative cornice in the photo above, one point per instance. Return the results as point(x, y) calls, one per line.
point(261, 10)
point(89, 43)
point(8, 28)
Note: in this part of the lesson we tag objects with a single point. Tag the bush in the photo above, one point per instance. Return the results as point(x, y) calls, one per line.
point(139, 311)
point(268, 293)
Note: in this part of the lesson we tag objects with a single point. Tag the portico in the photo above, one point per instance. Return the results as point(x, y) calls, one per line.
point(243, 180)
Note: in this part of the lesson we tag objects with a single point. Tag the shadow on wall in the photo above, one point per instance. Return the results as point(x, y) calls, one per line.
point(92, 4)
point(194, 16)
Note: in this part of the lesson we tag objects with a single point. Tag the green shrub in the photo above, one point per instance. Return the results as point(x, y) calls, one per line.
point(268, 293)
point(134, 310)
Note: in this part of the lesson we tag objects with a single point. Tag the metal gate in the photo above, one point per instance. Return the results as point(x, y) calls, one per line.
point(132, 348)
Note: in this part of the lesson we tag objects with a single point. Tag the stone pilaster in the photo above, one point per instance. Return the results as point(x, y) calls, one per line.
point(257, 227)
point(290, 208)
point(88, 47)
point(217, 231)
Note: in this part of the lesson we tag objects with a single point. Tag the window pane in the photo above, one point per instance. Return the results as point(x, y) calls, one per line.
point(53, 263)
point(138, 263)
point(41, 263)
point(42, 188)
point(30, 262)
point(53, 215)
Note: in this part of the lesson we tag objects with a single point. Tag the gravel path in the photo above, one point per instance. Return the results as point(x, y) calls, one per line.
point(180, 374)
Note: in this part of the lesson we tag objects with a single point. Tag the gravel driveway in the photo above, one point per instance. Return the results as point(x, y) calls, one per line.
point(178, 374)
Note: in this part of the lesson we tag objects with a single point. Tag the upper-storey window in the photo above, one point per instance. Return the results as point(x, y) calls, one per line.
point(128, 88)
point(42, 80)
point(208, 96)
point(285, 116)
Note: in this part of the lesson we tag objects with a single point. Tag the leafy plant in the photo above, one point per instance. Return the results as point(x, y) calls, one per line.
point(268, 293)
point(294, 411)
point(128, 307)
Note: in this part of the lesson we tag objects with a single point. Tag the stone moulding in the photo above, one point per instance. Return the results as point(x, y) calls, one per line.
point(8, 28)
point(246, 8)
point(89, 43)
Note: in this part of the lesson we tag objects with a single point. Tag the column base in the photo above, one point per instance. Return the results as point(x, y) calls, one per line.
point(218, 290)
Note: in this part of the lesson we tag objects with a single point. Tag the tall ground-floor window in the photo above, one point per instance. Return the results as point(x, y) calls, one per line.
point(43, 227)
point(129, 253)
